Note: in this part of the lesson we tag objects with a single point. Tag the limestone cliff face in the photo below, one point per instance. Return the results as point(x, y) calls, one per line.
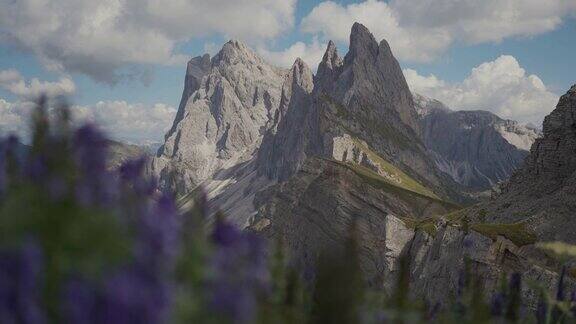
point(542, 192)
point(227, 105)
point(476, 148)
point(286, 145)
point(362, 98)
point(314, 210)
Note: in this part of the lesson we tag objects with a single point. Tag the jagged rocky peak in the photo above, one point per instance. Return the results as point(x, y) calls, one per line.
point(331, 60)
point(371, 74)
point(283, 148)
point(226, 108)
point(362, 43)
point(196, 69)
point(301, 75)
point(236, 50)
point(329, 68)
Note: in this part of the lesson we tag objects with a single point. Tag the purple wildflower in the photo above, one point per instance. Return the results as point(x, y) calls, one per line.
point(95, 186)
point(468, 243)
point(135, 296)
point(19, 283)
point(80, 302)
point(158, 234)
point(131, 173)
point(497, 304)
point(225, 234)
point(515, 282)
point(239, 270)
point(560, 295)
point(541, 310)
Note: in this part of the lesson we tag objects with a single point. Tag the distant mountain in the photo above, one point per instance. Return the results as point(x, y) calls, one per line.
point(119, 152)
point(476, 148)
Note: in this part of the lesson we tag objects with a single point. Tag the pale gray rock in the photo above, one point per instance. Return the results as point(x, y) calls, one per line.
point(314, 209)
point(476, 148)
point(287, 144)
point(228, 107)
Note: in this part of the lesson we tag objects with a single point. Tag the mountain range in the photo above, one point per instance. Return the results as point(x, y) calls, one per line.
point(301, 156)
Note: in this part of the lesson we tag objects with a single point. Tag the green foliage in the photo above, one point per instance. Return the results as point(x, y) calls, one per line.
point(404, 180)
point(427, 225)
point(560, 249)
point(377, 181)
point(338, 291)
point(518, 233)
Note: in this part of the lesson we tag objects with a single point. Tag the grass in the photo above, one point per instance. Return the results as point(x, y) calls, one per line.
point(405, 182)
point(377, 181)
point(428, 225)
point(518, 233)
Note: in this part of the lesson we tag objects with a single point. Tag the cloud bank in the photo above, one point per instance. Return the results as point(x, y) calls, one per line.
point(103, 38)
point(421, 30)
point(501, 86)
point(130, 122)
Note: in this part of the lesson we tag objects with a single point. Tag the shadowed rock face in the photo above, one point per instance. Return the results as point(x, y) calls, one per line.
point(363, 97)
point(543, 191)
point(476, 148)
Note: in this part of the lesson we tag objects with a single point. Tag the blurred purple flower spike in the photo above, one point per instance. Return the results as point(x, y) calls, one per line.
point(135, 295)
point(19, 285)
point(497, 304)
point(225, 234)
point(159, 235)
point(239, 270)
point(96, 186)
point(132, 173)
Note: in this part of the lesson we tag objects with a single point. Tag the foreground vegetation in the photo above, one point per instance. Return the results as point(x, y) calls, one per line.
point(83, 244)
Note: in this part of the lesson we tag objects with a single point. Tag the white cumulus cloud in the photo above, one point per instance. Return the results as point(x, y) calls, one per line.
point(310, 53)
point(501, 86)
point(12, 81)
point(133, 123)
point(100, 38)
point(421, 30)
point(14, 117)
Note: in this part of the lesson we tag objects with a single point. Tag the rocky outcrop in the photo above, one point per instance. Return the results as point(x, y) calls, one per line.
point(437, 264)
point(303, 157)
point(542, 192)
point(227, 106)
point(287, 144)
point(476, 148)
point(314, 209)
point(363, 98)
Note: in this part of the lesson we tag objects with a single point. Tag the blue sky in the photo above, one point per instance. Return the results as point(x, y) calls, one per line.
point(522, 51)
